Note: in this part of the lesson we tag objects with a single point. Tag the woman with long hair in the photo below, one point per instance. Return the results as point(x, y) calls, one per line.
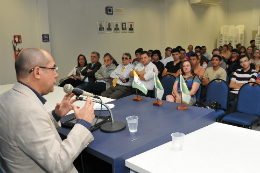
point(191, 79)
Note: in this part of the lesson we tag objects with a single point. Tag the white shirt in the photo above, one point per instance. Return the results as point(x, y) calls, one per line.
point(166, 60)
point(123, 75)
point(149, 76)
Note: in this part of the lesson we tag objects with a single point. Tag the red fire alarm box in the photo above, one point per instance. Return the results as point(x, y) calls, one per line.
point(17, 39)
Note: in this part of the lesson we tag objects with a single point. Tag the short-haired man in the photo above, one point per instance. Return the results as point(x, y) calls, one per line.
point(145, 72)
point(122, 82)
point(222, 64)
point(183, 55)
point(103, 76)
point(252, 43)
point(238, 46)
point(29, 139)
point(197, 49)
point(199, 70)
point(205, 53)
point(190, 49)
point(90, 71)
point(212, 73)
point(138, 56)
point(168, 57)
point(240, 77)
point(233, 58)
point(172, 68)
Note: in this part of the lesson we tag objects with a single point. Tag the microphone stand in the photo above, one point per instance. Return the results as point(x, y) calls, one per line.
point(108, 127)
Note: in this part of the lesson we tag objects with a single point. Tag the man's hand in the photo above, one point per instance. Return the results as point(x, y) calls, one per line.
point(86, 113)
point(205, 81)
point(178, 99)
point(123, 80)
point(89, 70)
point(65, 106)
point(107, 80)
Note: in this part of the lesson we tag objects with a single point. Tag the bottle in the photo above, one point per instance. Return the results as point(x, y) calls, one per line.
point(204, 65)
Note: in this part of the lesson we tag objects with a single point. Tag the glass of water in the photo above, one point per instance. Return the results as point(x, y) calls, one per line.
point(132, 122)
point(177, 140)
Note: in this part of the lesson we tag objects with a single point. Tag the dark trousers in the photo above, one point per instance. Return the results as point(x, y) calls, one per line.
point(149, 93)
point(203, 92)
point(95, 88)
point(233, 107)
point(71, 81)
point(117, 92)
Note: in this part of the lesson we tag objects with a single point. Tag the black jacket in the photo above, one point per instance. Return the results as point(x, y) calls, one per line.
point(91, 75)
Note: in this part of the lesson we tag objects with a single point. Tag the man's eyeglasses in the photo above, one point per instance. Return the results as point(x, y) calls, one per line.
point(241, 62)
point(124, 58)
point(53, 68)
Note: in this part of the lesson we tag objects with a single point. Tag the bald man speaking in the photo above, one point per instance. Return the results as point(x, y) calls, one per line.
point(29, 141)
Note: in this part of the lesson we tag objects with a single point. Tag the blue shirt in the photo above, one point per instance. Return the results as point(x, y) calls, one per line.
point(188, 54)
point(57, 118)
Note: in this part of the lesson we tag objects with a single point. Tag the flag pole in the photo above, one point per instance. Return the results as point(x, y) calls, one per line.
point(157, 102)
point(137, 98)
point(182, 107)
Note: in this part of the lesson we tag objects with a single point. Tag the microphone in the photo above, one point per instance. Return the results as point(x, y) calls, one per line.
point(68, 88)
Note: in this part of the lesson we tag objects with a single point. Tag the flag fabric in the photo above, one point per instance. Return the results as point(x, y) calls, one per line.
point(186, 98)
point(158, 87)
point(137, 83)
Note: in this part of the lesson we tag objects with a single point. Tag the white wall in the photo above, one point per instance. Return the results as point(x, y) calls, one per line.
point(73, 29)
point(241, 12)
point(193, 24)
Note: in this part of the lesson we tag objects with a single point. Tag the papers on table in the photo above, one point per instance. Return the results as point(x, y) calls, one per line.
point(97, 106)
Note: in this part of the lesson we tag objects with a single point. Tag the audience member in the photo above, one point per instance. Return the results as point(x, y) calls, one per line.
point(197, 49)
point(183, 55)
point(122, 82)
point(138, 56)
point(150, 52)
point(252, 43)
point(202, 60)
point(145, 72)
point(75, 77)
point(168, 57)
point(192, 82)
point(230, 48)
point(256, 59)
point(238, 46)
point(90, 71)
point(198, 70)
point(220, 49)
point(225, 53)
point(179, 48)
point(212, 73)
point(249, 51)
point(233, 58)
point(157, 57)
point(104, 80)
point(241, 76)
point(222, 64)
point(205, 53)
point(242, 49)
point(172, 68)
point(190, 49)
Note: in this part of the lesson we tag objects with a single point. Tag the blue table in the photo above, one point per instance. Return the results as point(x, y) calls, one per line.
point(155, 125)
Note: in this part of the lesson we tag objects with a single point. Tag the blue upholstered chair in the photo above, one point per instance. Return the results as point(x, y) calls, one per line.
point(248, 109)
point(218, 91)
point(167, 83)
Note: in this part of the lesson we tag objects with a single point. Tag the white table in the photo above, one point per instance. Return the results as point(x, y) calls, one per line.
point(217, 148)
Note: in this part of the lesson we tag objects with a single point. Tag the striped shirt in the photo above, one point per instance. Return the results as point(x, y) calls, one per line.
point(243, 77)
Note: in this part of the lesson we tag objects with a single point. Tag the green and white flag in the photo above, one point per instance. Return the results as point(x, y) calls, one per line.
point(186, 98)
point(158, 88)
point(137, 83)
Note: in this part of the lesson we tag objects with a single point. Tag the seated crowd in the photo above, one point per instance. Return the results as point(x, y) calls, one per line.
point(198, 67)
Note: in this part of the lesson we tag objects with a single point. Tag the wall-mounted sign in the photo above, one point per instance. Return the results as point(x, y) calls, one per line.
point(45, 37)
point(17, 39)
point(118, 11)
point(109, 10)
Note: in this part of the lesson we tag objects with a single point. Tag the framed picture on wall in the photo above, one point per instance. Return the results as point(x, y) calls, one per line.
point(109, 27)
point(100, 27)
point(124, 27)
point(117, 27)
point(130, 27)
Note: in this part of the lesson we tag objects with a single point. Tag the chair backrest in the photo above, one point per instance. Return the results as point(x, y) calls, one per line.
point(198, 93)
point(218, 91)
point(167, 83)
point(249, 99)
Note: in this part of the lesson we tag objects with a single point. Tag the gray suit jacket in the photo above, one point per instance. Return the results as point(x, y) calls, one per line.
point(29, 141)
point(105, 72)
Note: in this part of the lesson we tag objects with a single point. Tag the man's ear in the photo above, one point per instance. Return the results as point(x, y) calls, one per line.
point(37, 73)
